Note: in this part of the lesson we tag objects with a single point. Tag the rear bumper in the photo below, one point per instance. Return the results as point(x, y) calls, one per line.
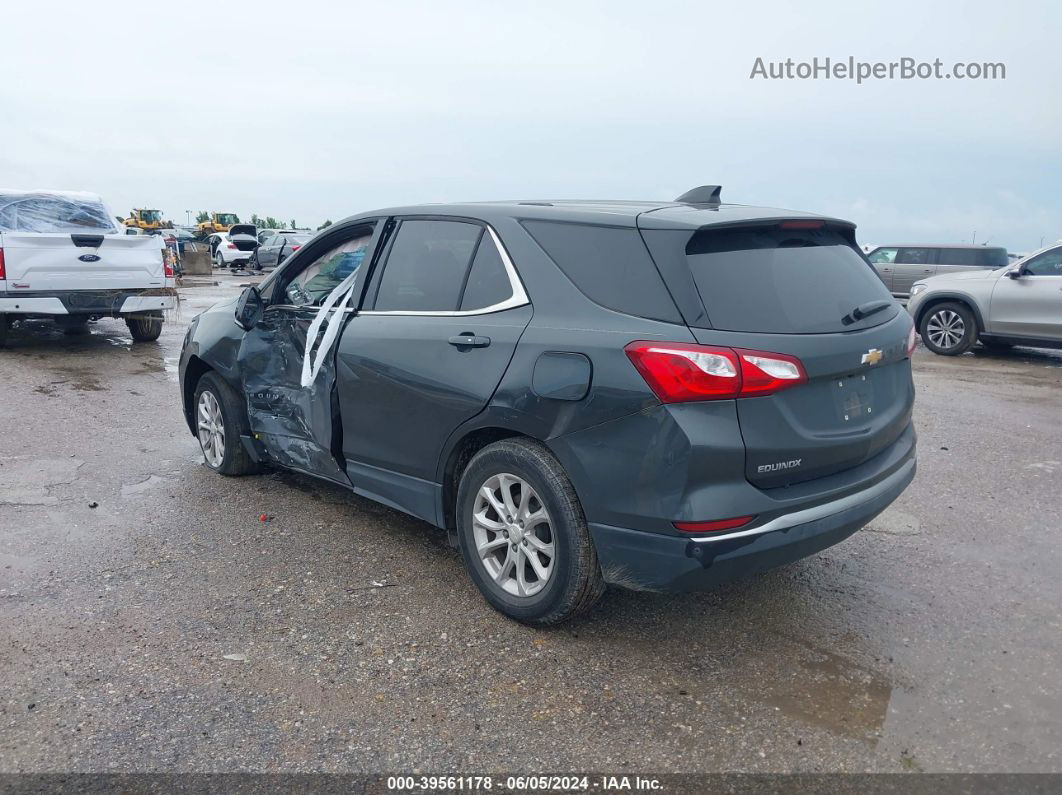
point(656, 562)
point(234, 256)
point(110, 303)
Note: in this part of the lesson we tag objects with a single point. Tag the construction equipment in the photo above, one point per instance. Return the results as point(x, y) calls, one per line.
point(148, 220)
point(218, 222)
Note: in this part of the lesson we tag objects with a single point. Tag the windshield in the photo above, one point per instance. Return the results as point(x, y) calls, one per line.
point(780, 280)
point(228, 219)
point(42, 212)
point(151, 216)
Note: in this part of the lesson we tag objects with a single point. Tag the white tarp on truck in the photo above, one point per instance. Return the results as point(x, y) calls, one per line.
point(54, 211)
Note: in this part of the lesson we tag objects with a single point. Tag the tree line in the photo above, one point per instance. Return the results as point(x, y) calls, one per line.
point(268, 222)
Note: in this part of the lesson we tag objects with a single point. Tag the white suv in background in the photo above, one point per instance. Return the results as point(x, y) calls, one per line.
point(63, 257)
point(1020, 304)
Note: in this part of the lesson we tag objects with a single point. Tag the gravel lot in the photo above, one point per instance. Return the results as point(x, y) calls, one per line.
point(168, 629)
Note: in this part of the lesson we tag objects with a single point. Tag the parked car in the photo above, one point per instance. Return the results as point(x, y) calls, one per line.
point(277, 248)
point(269, 232)
point(900, 266)
point(176, 238)
point(232, 248)
point(656, 395)
point(63, 257)
point(1020, 304)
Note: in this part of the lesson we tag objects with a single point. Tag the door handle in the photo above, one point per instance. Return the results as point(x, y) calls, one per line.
point(469, 340)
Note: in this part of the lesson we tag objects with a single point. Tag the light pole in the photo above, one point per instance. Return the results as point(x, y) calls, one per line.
point(188, 213)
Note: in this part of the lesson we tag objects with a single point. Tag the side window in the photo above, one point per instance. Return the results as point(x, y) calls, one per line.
point(956, 256)
point(324, 274)
point(488, 283)
point(883, 256)
point(1047, 264)
point(993, 257)
point(609, 265)
point(426, 267)
point(914, 256)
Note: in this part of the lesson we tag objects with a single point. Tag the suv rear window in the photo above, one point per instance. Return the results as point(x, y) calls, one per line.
point(610, 266)
point(783, 281)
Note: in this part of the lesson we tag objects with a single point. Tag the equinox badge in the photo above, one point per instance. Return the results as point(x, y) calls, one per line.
point(873, 356)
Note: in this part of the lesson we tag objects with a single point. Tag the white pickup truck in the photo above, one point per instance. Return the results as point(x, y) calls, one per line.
point(62, 256)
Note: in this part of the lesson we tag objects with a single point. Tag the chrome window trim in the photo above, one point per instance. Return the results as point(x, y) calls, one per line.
point(518, 297)
point(818, 511)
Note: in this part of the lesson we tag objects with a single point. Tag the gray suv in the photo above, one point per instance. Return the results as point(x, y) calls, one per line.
point(1020, 304)
point(657, 395)
point(900, 266)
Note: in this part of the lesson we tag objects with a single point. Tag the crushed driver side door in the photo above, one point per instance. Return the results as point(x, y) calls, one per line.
point(298, 427)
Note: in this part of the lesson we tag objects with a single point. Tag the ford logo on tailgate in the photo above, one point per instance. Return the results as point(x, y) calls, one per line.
point(89, 258)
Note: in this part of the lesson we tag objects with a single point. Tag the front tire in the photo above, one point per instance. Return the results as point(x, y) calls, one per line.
point(949, 329)
point(220, 421)
point(523, 536)
point(144, 328)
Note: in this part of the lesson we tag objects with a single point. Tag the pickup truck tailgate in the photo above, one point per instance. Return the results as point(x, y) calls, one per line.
point(54, 261)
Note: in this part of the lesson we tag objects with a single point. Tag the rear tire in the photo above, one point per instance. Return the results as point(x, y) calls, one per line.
point(551, 572)
point(949, 329)
point(145, 328)
point(218, 407)
point(219, 261)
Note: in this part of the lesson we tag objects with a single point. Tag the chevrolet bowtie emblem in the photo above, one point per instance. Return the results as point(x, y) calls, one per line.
point(873, 356)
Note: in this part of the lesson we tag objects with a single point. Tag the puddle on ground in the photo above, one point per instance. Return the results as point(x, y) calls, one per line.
point(82, 379)
point(831, 692)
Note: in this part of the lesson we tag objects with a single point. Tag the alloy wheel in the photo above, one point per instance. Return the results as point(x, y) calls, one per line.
point(513, 535)
point(946, 329)
point(211, 429)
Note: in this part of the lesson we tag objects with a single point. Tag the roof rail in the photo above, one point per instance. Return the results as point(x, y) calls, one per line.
point(705, 194)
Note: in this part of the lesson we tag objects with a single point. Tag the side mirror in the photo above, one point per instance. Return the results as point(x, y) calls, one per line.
point(1014, 274)
point(249, 308)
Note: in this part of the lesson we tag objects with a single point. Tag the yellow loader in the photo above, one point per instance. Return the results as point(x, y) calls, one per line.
point(218, 222)
point(148, 220)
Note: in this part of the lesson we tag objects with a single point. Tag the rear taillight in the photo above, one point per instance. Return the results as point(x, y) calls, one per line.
point(167, 269)
point(295, 248)
point(232, 245)
point(3, 271)
point(714, 526)
point(679, 372)
point(912, 342)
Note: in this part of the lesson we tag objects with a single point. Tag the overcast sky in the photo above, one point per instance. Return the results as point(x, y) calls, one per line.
point(320, 110)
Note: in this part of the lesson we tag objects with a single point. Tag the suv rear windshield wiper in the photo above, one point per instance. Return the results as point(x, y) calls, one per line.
point(865, 310)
